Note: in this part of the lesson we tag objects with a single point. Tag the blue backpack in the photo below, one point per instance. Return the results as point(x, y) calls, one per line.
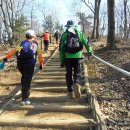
point(26, 53)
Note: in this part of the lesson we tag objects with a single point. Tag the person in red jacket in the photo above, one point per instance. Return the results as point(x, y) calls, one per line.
point(47, 39)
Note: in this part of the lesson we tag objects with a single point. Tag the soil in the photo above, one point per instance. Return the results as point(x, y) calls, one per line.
point(112, 88)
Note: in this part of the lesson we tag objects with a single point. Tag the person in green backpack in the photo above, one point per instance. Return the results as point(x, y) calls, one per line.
point(70, 54)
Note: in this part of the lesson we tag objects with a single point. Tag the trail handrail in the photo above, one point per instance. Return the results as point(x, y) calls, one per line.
point(112, 66)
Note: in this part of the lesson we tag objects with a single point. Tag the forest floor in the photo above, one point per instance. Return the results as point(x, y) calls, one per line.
point(112, 88)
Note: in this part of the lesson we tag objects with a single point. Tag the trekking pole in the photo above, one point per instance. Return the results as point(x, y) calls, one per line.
point(88, 43)
point(88, 57)
point(41, 44)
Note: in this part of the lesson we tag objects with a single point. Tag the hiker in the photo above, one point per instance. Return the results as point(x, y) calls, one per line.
point(47, 39)
point(70, 48)
point(56, 36)
point(26, 54)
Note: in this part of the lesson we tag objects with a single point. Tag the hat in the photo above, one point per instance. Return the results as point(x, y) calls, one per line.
point(69, 23)
point(30, 33)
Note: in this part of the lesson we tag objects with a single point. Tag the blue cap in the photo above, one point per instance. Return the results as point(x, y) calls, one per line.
point(69, 23)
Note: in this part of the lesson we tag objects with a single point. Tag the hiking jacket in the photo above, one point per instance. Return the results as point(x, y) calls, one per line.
point(35, 48)
point(46, 37)
point(79, 54)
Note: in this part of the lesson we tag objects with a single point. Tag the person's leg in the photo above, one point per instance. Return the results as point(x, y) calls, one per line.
point(44, 45)
point(21, 70)
point(56, 40)
point(47, 44)
point(77, 64)
point(28, 73)
point(69, 80)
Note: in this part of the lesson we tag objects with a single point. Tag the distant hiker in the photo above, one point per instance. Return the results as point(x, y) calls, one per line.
point(47, 39)
point(26, 54)
point(56, 36)
point(71, 45)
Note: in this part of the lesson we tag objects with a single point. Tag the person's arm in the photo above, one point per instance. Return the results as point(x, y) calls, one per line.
point(39, 53)
point(11, 53)
point(85, 42)
point(61, 49)
point(42, 36)
point(50, 38)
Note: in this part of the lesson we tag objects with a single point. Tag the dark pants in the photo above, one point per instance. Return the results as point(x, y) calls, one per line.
point(56, 40)
point(46, 44)
point(76, 77)
point(27, 73)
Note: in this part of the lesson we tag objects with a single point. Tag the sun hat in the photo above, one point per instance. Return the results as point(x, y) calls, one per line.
point(30, 33)
point(70, 23)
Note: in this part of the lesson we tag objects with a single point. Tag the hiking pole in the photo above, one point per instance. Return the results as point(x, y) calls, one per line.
point(88, 43)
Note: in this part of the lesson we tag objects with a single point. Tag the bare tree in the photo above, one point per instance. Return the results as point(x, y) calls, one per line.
point(84, 19)
point(50, 16)
point(111, 25)
point(119, 17)
point(103, 27)
point(9, 12)
point(84, 22)
point(95, 10)
point(125, 19)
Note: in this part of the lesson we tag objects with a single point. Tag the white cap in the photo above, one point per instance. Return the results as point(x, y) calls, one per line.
point(72, 30)
point(31, 33)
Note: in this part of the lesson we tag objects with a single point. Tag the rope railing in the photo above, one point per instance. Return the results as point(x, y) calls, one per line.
point(112, 66)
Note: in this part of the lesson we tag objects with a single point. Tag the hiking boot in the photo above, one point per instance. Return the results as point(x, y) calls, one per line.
point(71, 95)
point(23, 103)
point(77, 91)
point(18, 96)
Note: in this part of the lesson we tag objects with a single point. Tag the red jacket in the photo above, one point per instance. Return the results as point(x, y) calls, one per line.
point(46, 36)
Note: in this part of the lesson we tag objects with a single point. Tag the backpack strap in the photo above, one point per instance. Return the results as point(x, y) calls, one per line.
point(76, 34)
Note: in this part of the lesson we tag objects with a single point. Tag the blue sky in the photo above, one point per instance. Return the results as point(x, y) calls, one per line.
point(63, 8)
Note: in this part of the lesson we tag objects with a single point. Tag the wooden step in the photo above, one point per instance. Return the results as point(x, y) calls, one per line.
point(54, 107)
point(50, 89)
point(62, 124)
point(53, 63)
point(54, 89)
point(54, 70)
point(45, 82)
point(49, 77)
point(54, 73)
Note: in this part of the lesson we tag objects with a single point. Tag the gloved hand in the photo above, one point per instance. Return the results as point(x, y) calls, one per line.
point(2, 65)
point(40, 67)
point(90, 53)
point(5, 59)
point(62, 65)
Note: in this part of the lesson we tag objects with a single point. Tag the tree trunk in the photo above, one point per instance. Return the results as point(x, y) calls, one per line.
point(93, 36)
point(111, 25)
point(95, 32)
point(97, 27)
point(125, 21)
